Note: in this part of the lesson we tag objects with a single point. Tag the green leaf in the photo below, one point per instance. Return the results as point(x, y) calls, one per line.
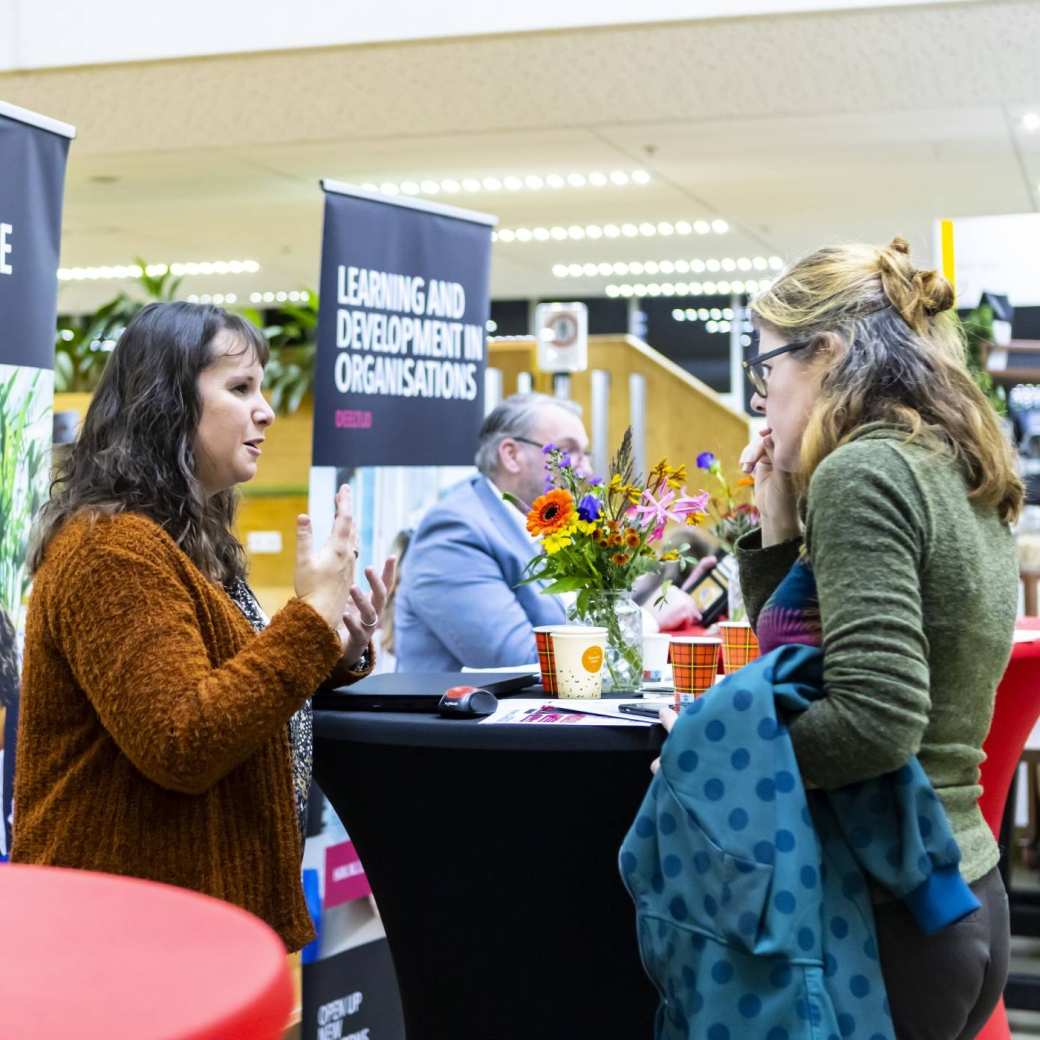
point(296, 397)
point(566, 585)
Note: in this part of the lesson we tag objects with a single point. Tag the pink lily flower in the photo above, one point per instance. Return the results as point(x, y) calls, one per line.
point(671, 506)
point(686, 504)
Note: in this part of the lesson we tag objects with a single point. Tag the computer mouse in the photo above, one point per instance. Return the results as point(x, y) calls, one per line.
point(466, 702)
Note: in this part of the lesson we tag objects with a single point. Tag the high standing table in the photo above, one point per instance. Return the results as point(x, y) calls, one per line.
point(492, 854)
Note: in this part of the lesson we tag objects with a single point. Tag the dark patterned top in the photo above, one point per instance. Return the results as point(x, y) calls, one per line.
point(792, 613)
point(301, 741)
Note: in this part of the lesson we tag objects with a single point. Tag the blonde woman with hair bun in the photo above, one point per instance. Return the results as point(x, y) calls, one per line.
point(883, 469)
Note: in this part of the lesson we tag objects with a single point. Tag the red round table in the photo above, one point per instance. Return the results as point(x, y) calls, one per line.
point(102, 957)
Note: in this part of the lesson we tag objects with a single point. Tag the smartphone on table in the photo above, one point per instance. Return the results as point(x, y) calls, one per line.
point(643, 710)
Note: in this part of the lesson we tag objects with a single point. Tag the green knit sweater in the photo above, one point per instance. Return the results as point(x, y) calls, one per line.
point(918, 590)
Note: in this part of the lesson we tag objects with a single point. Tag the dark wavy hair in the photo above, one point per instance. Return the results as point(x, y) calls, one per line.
point(135, 451)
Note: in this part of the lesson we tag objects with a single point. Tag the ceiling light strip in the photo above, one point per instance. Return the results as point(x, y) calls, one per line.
point(711, 265)
point(282, 296)
point(720, 288)
point(120, 272)
point(511, 183)
point(580, 232)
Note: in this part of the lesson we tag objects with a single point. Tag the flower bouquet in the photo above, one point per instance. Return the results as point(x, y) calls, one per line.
point(731, 514)
point(598, 536)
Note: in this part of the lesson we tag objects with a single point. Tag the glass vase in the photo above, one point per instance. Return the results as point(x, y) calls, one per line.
point(622, 617)
point(736, 611)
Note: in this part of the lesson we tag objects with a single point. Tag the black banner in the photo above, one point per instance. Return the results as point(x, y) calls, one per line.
point(33, 150)
point(32, 161)
point(399, 373)
point(346, 996)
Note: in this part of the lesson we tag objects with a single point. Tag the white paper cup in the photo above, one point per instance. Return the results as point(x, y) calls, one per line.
point(579, 654)
point(655, 656)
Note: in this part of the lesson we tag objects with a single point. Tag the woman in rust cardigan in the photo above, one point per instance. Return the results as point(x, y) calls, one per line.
point(165, 725)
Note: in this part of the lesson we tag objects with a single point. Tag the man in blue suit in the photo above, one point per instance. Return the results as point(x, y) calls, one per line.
point(459, 602)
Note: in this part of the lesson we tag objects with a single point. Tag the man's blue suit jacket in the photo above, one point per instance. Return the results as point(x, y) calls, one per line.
point(460, 602)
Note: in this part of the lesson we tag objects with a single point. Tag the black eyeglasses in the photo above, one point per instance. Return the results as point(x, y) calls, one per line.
point(756, 377)
point(573, 452)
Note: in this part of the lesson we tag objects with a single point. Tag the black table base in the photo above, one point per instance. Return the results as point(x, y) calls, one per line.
point(495, 872)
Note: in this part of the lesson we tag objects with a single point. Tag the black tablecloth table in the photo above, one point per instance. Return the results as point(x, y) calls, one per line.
point(492, 854)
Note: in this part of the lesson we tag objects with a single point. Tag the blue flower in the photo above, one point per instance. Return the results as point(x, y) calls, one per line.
point(705, 460)
point(588, 508)
point(594, 481)
point(565, 461)
point(550, 447)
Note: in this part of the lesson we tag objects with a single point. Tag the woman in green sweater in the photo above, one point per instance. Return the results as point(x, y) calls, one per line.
point(883, 463)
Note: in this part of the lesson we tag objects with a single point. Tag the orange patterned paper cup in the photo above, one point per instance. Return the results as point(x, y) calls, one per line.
point(739, 645)
point(695, 663)
point(546, 658)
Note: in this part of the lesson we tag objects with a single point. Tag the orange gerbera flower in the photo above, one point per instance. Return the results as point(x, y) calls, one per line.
point(632, 538)
point(619, 559)
point(550, 513)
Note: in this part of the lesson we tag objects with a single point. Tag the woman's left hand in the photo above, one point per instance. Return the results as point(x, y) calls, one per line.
point(667, 718)
point(362, 617)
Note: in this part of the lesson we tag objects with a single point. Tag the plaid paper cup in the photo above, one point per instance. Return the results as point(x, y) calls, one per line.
point(546, 659)
point(739, 645)
point(695, 663)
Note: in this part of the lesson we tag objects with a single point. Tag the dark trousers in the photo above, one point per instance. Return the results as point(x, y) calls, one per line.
point(945, 986)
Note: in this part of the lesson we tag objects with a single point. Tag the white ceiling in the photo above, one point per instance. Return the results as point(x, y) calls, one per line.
point(797, 130)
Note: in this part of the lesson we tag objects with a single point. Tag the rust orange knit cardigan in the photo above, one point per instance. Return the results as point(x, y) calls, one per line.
point(152, 735)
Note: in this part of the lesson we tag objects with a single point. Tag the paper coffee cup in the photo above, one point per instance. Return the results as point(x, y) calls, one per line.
point(547, 653)
point(579, 655)
point(739, 645)
point(695, 663)
point(655, 656)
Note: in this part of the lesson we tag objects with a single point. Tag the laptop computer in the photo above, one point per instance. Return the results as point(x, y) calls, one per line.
point(416, 691)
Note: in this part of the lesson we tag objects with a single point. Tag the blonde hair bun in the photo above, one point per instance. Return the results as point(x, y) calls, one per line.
point(917, 294)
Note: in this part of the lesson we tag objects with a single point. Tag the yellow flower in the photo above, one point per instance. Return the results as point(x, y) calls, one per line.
point(695, 519)
point(670, 555)
point(658, 474)
point(554, 543)
point(560, 538)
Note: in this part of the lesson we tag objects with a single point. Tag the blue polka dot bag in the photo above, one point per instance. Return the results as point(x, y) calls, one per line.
point(753, 912)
